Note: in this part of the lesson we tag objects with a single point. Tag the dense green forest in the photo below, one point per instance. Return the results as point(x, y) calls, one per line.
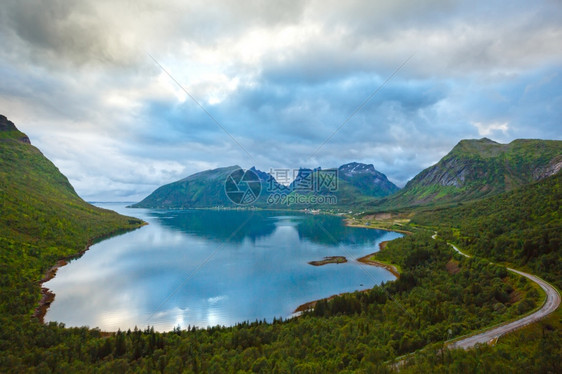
point(439, 295)
point(534, 349)
point(522, 227)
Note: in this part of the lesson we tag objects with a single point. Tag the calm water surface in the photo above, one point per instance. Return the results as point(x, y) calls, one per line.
point(208, 267)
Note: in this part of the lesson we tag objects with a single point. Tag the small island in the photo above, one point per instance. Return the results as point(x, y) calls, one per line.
point(329, 260)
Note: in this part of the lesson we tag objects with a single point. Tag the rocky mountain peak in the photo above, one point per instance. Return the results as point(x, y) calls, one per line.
point(367, 179)
point(11, 131)
point(6, 124)
point(357, 168)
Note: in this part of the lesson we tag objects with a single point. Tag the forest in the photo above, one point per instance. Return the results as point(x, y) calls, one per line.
point(438, 296)
point(521, 227)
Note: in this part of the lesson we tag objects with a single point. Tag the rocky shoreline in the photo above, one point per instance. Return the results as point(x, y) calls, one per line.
point(47, 297)
point(365, 260)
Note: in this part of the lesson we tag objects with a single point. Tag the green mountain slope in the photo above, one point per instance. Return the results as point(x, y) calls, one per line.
point(522, 227)
point(478, 168)
point(204, 189)
point(207, 189)
point(42, 219)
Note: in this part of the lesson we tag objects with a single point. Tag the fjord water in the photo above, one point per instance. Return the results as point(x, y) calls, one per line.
point(211, 267)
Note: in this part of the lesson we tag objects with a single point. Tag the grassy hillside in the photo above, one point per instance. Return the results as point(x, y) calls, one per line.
point(346, 195)
point(522, 227)
point(478, 168)
point(41, 220)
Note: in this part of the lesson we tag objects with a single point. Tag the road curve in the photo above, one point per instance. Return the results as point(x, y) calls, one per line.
point(551, 304)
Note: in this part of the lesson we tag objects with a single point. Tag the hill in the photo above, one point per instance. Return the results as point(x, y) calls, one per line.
point(522, 227)
point(42, 220)
point(479, 168)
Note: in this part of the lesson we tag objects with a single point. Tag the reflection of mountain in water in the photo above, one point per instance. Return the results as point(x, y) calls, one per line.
point(330, 230)
point(221, 225)
point(236, 226)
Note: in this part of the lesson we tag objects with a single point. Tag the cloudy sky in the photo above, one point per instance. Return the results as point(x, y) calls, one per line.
point(276, 80)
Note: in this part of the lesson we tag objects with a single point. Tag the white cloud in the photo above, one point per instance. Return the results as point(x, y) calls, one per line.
point(487, 129)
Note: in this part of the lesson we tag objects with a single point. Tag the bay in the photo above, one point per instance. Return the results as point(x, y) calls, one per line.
point(211, 267)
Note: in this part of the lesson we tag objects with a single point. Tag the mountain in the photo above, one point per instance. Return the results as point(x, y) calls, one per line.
point(350, 184)
point(306, 180)
point(9, 131)
point(203, 189)
point(269, 184)
point(367, 179)
point(478, 168)
point(42, 220)
point(209, 188)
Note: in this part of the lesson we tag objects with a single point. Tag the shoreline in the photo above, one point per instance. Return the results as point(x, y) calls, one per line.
point(349, 224)
point(365, 260)
point(311, 304)
point(47, 296)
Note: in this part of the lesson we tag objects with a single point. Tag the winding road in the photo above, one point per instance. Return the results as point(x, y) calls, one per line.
point(551, 304)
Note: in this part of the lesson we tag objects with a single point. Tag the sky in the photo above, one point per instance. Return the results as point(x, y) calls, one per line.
point(124, 96)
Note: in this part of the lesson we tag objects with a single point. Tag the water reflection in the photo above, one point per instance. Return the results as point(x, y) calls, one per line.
point(226, 225)
point(218, 225)
point(195, 268)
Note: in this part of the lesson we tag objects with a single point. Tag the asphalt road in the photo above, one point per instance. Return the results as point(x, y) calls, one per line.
point(551, 304)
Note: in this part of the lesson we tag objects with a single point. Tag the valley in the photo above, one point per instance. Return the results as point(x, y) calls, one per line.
point(439, 295)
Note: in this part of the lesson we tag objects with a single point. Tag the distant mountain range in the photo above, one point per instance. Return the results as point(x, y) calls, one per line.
point(472, 170)
point(351, 183)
